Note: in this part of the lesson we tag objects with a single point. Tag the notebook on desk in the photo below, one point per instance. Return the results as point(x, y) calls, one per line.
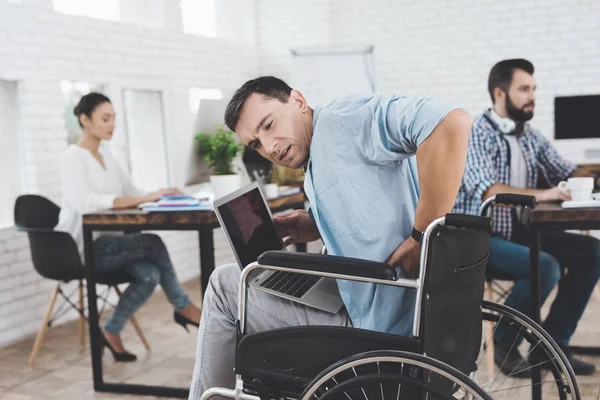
point(198, 207)
point(177, 203)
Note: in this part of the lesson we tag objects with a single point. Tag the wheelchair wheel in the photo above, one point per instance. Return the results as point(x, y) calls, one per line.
point(501, 380)
point(383, 375)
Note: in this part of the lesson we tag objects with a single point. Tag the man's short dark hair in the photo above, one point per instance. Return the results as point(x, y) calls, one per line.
point(502, 73)
point(268, 86)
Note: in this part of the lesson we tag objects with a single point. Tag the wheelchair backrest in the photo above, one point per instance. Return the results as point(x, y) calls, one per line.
point(450, 329)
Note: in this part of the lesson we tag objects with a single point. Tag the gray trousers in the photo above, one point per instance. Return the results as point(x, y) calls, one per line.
point(215, 350)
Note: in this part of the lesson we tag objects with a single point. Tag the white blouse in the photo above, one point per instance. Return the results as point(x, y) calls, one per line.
point(88, 187)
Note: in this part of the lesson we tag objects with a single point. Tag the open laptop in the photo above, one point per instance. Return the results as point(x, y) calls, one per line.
point(248, 225)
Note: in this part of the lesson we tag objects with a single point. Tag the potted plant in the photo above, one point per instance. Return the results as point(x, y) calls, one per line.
point(219, 149)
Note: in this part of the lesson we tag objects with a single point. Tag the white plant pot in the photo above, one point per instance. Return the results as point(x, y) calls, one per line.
point(225, 184)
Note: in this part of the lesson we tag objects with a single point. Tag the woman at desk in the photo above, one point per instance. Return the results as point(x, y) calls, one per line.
point(91, 180)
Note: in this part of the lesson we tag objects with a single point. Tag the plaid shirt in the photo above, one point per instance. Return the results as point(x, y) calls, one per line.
point(488, 162)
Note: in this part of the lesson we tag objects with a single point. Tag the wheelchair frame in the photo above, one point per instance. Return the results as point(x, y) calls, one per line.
point(417, 284)
point(432, 364)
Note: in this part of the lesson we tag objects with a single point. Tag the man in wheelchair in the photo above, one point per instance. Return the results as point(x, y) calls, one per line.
point(368, 201)
point(409, 274)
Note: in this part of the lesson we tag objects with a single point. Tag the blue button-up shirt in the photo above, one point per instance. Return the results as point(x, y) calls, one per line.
point(361, 181)
point(488, 162)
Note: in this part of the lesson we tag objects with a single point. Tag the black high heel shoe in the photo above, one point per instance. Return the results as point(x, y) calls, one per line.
point(184, 321)
point(119, 357)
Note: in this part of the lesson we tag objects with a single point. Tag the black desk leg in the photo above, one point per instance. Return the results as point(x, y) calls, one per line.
point(93, 322)
point(207, 255)
point(586, 350)
point(534, 258)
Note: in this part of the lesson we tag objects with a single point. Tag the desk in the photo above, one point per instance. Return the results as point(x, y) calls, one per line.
point(552, 216)
point(136, 220)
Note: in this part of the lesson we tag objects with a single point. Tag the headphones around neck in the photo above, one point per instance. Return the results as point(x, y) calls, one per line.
point(506, 125)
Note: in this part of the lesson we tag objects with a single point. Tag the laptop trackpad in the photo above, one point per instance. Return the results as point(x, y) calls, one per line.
point(329, 286)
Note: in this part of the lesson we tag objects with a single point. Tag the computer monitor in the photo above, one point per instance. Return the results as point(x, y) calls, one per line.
point(576, 117)
point(257, 165)
point(210, 114)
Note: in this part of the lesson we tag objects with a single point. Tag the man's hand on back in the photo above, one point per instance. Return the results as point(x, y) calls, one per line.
point(407, 256)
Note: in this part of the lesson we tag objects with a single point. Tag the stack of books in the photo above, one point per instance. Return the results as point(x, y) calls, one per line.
point(178, 203)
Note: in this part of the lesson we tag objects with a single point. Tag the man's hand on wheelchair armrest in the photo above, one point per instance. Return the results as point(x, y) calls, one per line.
point(330, 264)
point(407, 256)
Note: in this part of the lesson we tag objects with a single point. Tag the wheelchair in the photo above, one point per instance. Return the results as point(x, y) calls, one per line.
point(440, 360)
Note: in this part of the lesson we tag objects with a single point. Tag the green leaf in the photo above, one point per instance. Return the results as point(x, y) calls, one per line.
point(219, 149)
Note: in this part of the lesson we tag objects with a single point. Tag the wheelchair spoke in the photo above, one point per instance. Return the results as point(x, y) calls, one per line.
point(511, 349)
point(513, 369)
point(380, 384)
point(362, 389)
point(516, 370)
point(521, 386)
point(487, 344)
point(400, 384)
point(428, 381)
point(337, 383)
point(535, 365)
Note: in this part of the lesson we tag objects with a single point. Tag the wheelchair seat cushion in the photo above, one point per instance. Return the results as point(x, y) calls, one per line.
point(285, 360)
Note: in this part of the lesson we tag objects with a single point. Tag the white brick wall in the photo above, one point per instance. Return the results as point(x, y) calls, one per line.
point(446, 48)
point(39, 48)
point(426, 47)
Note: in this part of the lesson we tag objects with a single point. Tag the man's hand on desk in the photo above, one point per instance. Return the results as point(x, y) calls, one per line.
point(296, 227)
point(553, 194)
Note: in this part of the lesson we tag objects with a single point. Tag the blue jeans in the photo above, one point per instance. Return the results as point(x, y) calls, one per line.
point(572, 261)
point(145, 257)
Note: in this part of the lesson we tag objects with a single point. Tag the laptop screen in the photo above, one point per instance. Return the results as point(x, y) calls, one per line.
point(249, 226)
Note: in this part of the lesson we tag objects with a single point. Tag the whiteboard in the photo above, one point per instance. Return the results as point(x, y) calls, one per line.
point(322, 74)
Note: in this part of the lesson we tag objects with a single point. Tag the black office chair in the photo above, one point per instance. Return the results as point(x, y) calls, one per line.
point(55, 256)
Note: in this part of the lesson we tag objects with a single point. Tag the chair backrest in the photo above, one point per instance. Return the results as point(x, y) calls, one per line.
point(33, 211)
point(54, 254)
point(453, 292)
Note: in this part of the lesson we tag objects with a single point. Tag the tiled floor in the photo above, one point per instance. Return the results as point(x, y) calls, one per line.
point(63, 369)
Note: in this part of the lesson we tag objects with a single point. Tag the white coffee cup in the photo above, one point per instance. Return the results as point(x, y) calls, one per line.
point(580, 188)
point(271, 190)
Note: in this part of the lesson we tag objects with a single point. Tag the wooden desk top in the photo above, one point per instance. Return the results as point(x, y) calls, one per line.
point(553, 212)
point(136, 216)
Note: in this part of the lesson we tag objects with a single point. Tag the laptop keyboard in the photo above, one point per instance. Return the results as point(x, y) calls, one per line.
point(290, 283)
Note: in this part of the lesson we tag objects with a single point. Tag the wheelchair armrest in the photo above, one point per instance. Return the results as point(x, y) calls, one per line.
point(329, 264)
point(511, 199)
